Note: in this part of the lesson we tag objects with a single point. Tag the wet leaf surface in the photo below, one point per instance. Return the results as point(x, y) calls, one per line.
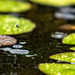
point(72, 48)
point(14, 6)
point(8, 25)
point(69, 39)
point(57, 69)
point(7, 40)
point(67, 57)
point(53, 3)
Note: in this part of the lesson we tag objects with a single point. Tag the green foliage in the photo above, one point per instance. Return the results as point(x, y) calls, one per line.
point(72, 48)
point(69, 39)
point(57, 69)
point(8, 25)
point(67, 57)
point(14, 6)
point(53, 2)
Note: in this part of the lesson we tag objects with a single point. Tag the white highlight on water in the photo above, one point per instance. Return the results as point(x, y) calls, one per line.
point(15, 51)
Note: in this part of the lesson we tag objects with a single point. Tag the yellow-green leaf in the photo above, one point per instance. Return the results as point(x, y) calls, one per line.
point(14, 6)
point(69, 39)
point(67, 57)
point(8, 25)
point(57, 69)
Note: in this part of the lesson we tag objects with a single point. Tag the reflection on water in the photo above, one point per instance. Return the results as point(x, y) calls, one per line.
point(66, 13)
point(17, 46)
point(58, 35)
point(15, 51)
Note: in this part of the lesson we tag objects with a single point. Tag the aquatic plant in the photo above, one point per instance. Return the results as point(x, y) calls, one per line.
point(69, 39)
point(57, 69)
point(7, 40)
point(14, 6)
point(67, 57)
point(53, 2)
point(72, 48)
point(8, 25)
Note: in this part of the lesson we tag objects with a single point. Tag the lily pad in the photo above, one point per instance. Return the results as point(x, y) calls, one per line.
point(57, 69)
point(72, 48)
point(14, 6)
point(69, 39)
point(8, 25)
point(67, 57)
point(7, 40)
point(53, 2)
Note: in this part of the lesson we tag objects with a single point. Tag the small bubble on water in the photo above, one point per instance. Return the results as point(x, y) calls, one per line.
point(17, 26)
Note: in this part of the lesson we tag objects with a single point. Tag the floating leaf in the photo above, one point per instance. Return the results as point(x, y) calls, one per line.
point(7, 40)
point(53, 2)
point(69, 39)
point(8, 25)
point(14, 6)
point(57, 69)
point(72, 48)
point(67, 27)
point(67, 57)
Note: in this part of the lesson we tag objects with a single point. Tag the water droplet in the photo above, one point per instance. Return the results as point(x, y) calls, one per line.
point(17, 26)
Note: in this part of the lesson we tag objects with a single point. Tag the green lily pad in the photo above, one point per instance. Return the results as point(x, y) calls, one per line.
point(57, 69)
point(67, 57)
point(8, 25)
point(72, 48)
point(53, 2)
point(69, 39)
point(14, 6)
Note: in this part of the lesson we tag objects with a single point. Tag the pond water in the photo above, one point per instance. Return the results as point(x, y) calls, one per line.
point(39, 43)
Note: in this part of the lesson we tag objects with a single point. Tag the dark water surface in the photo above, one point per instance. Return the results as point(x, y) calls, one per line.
point(38, 42)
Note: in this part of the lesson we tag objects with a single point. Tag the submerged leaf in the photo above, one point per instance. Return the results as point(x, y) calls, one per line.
point(7, 40)
point(69, 39)
point(8, 25)
point(53, 2)
point(14, 6)
point(57, 69)
point(67, 27)
point(67, 57)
